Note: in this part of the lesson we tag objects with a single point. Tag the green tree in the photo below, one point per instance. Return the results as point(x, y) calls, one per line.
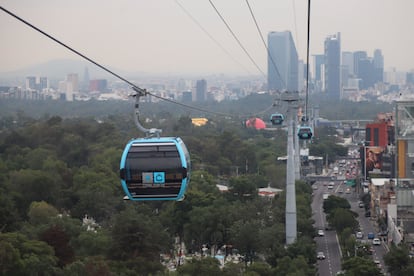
point(358, 266)
point(397, 260)
point(342, 218)
point(56, 237)
point(40, 212)
point(21, 256)
point(136, 234)
point(205, 267)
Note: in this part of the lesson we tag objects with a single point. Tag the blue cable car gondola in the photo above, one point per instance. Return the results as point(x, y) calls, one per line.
point(305, 132)
point(277, 119)
point(155, 169)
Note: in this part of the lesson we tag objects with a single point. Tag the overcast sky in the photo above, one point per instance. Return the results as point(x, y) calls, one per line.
point(161, 35)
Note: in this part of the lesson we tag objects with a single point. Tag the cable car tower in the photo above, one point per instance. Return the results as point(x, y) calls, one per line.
point(291, 98)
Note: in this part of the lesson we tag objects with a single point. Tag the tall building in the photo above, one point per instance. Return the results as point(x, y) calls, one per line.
point(85, 80)
point(201, 90)
point(73, 80)
point(100, 85)
point(358, 56)
point(378, 61)
point(43, 83)
point(282, 62)
point(318, 61)
point(31, 82)
point(333, 66)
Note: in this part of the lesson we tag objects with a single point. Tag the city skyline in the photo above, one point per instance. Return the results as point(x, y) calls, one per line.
point(163, 36)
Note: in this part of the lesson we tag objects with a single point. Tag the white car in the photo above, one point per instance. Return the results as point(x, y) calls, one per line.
point(320, 256)
point(359, 235)
point(376, 241)
point(321, 233)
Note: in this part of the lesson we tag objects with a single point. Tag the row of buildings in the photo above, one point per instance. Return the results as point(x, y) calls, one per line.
point(390, 183)
point(339, 74)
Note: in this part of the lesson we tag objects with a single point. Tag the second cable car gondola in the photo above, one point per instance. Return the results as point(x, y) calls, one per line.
point(305, 132)
point(155, 169)
point(277, 119)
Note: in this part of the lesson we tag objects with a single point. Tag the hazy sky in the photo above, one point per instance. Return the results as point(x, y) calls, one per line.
point(159, 36)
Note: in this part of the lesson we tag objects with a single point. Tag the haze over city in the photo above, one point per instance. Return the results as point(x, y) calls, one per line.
point(186, 36)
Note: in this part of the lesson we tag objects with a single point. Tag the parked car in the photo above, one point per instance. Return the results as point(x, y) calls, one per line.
point(320, 256)
point(359, 235)
point(376, 241)
point(361, 204)
point(321, 233)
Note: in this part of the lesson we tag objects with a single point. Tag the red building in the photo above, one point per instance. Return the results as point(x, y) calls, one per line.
point(380, 133)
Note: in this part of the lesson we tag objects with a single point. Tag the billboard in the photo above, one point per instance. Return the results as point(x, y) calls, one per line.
point(373, 162)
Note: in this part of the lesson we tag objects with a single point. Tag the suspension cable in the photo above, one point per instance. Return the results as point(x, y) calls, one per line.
point(264, 43)
point(211, 37)
point(237, 39)
point(307, 61)
point(140, 91)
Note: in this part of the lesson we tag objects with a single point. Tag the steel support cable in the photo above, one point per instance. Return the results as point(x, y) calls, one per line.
point(237, 39)
point(307, 61)
point(264, 43)
point(211, 37)
point(137, 89)
point(140, 91)
point(73, 50)
point(296, 28)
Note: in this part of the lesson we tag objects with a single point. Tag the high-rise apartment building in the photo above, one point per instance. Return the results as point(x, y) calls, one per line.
point(332, 51)
point(282, 62)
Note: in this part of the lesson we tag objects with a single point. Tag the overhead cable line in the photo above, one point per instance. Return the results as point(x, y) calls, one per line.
point(307, 61)
point(236, 38)
point(211, 37)
point(71, 49)
point(264, 43)
point(296, 28)
point(137, 89)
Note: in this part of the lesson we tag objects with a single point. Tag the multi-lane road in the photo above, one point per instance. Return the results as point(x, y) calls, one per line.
point(328, 243)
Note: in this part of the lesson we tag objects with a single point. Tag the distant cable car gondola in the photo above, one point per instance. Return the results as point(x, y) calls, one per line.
point(277, 119)
point(155, 169)
point(305, 132)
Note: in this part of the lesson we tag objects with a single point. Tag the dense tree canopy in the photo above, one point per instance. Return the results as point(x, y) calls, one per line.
point(61, 207)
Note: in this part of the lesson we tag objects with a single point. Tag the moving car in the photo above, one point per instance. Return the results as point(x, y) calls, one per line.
point(371, 235)
point(320, 256)
point(359, 235)
point(376, 241)
point(321, 233)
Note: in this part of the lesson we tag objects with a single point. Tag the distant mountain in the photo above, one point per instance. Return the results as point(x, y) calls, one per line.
point(59, 69)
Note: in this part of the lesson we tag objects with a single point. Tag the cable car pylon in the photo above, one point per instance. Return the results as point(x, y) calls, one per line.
point(291, 98)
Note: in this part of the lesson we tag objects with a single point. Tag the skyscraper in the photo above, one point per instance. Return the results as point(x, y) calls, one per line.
point(201, 90)
point(318, 61)
point(378, 66)
point(333, 66)
point(282, 62)
point(358, 55)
